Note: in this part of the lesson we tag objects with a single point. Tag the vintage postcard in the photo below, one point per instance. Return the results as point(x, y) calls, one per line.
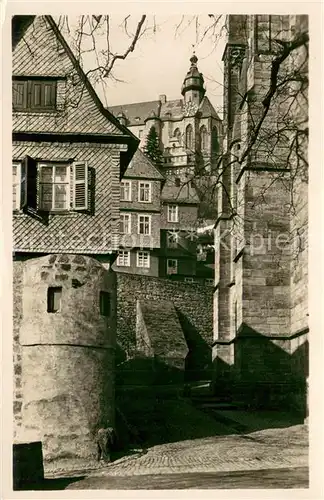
point(158, 234)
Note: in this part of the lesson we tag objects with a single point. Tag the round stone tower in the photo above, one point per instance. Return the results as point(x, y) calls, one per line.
point(67, 343)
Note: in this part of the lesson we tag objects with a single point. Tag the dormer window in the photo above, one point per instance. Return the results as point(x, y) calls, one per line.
point(33, 94)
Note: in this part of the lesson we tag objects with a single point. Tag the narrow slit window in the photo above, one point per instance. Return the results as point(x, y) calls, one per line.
point(105, 304)
point(54, 296)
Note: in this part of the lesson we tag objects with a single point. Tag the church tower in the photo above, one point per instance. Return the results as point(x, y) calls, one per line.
point(193, 89)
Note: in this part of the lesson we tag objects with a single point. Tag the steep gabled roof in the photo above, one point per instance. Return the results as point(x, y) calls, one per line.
point(184, 194)
point(137, 112)
point(174, 107)
point(141, 166)
point(20, 25)
point(207, 109)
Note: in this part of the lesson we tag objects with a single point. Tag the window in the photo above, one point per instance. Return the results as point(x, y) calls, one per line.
point(16, 180)
point(123, 258)
point(54, 187)
point(140, 134)
point(177, 180)
point(177, 134)
point(144, 192)
point(126, 191)
point(214, 141)
point(105, 303)
point(173, 213)
point(189, 280)
point(54, 295)
point(189, 137)
point(125, 223)
point(144, 224)
point(172, 240)
point(209, 281)
point(172, 266)
point(34, 94)
point(203, 138)
point(143, 259)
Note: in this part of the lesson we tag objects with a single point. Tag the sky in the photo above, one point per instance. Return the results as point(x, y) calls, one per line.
point(160, 60)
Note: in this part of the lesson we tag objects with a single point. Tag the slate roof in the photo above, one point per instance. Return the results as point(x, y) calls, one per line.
point(90, 116)
point(142, 166)
point(207, 109)
point(141, 110)
point(175, 107)
point(184, 194)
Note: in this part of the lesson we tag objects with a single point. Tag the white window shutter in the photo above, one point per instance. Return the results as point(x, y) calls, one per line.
point(80, 186)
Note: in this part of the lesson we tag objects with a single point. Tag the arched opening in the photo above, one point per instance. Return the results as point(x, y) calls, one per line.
point(177, 134)
point(203, 138)
point(214, 141)
point(189, 137)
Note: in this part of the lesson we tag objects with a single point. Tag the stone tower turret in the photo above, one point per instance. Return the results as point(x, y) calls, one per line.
point(193, 88)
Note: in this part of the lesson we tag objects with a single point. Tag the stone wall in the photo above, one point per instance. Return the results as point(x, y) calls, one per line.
point(66, 368)
point(193, 303)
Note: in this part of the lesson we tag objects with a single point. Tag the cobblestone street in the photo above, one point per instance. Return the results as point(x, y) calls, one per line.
point(211, 463)
point(268, 449)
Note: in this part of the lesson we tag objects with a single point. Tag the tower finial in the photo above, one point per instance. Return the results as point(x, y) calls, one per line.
point(194, 59)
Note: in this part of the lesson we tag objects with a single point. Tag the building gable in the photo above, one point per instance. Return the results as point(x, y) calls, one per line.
point(40, 51)
point(180, 194)
point(207, 109)
point(142, 167)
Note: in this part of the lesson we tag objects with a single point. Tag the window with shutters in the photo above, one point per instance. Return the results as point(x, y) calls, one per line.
point(123, 258)
point(144, 192)
point(80, 186)
point(125, 223)
point(40, 186)
point(126, 191)
point(172, 266)
point(54, 187)
point(34, 94)
point(144, 224)
point(143, 259)
point(16, 185)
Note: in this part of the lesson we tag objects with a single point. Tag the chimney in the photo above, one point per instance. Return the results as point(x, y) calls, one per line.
point(162, 98)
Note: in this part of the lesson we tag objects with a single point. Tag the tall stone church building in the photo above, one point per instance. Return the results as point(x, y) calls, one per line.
point(260, 348)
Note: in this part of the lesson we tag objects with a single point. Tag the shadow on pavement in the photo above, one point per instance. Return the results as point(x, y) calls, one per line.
point(50, 484)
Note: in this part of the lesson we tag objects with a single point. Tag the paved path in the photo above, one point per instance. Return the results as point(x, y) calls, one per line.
point(266, 478)
point(267, 449)
point(270, 458)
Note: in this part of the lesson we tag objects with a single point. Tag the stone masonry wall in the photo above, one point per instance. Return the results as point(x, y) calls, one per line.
point(193, 302)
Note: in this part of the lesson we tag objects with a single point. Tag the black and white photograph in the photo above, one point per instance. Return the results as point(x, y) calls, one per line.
point(160, 251)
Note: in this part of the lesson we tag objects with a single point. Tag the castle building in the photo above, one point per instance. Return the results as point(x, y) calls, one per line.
point(69, 154)
point(189, 129)
point(190, 135)
point(260, 348)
